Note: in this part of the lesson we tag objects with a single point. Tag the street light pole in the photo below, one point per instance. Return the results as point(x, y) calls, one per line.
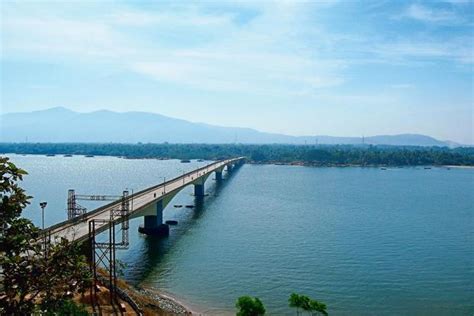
point(43, 206)
point(164, 184)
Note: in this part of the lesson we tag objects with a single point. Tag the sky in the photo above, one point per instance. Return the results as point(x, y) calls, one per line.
point(340, 68)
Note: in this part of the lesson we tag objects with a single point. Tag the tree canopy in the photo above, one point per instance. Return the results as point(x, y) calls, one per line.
point(304, 303)
point(316, 155)
point(249, 306)
point(33, 275)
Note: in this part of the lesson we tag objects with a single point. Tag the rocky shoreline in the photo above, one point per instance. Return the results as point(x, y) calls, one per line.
point(165, 303)
point(150, 301)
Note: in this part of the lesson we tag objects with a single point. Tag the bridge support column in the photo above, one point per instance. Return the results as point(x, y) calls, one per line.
point(153, 224)
point(230, 167)
point(218, 175)
point(199, 189)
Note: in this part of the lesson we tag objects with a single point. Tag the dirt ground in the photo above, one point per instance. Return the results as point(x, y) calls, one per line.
point(103, 306)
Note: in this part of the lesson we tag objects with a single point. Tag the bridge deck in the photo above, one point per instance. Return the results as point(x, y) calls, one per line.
point(78, 229)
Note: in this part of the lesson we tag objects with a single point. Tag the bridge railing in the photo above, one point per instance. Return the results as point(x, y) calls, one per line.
point(186, 175)
point(69, 222)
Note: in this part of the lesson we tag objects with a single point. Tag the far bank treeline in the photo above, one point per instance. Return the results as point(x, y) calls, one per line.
point(316, 155)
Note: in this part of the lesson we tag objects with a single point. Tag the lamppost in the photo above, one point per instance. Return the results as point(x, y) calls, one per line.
point(43, 206)
point(164, 184)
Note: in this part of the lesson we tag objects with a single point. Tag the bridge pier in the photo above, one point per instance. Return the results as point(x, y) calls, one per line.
point(218, 175)
point(153, 224)
point(199, 190)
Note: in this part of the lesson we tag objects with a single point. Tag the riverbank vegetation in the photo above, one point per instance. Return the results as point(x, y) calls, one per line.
point(253, 306)
point(305, 303)
point(314, 155)
point(249, 306)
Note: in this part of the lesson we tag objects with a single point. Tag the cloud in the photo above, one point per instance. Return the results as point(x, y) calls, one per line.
point(237, 71)
point(458, 50)
point(402, 86)
point(281, 49)
point(187, 18)
point(431, 15)
point(52, 36)
point(206, 49)
point(458, 2)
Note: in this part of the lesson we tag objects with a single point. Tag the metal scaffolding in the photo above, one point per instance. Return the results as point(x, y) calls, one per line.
point(74, 209)
point(103, 251)
point(103, 256)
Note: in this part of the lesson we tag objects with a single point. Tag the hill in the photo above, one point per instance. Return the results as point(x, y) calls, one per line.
point(59, 124)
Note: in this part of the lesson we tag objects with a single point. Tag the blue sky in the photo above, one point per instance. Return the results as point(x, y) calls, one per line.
point(342, 68)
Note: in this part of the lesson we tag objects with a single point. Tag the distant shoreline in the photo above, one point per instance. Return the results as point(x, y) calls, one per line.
point(323, 165)
point(272, 162)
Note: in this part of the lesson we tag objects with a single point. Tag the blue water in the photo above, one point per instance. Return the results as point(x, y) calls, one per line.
point(363, 240)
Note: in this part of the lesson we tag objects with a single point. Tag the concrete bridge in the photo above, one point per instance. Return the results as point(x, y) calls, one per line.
point(148, 203)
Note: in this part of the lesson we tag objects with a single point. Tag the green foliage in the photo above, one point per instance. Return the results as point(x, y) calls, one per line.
point(13, 198)
point(316, 155)
point(317, 307)
point(295, 302)
point(249, 306)
point(68, 307)
point(31, 275)
point(306, 304)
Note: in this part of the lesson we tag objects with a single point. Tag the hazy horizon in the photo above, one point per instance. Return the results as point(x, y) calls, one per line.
point(217, 125)
point(301, 68)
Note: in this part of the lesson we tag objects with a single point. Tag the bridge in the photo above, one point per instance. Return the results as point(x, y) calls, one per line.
point(148, 203)
point(83, 227)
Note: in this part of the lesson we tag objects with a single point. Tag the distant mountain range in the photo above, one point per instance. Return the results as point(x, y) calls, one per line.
point(62, 125)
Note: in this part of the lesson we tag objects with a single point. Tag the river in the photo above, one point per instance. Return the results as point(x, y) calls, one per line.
point(365, 241)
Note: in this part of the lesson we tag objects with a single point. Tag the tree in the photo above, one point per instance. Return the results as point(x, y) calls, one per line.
point(307, 304)
point(32, 276)
point(295, 302)
point(249, 306)
point(316, 308)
